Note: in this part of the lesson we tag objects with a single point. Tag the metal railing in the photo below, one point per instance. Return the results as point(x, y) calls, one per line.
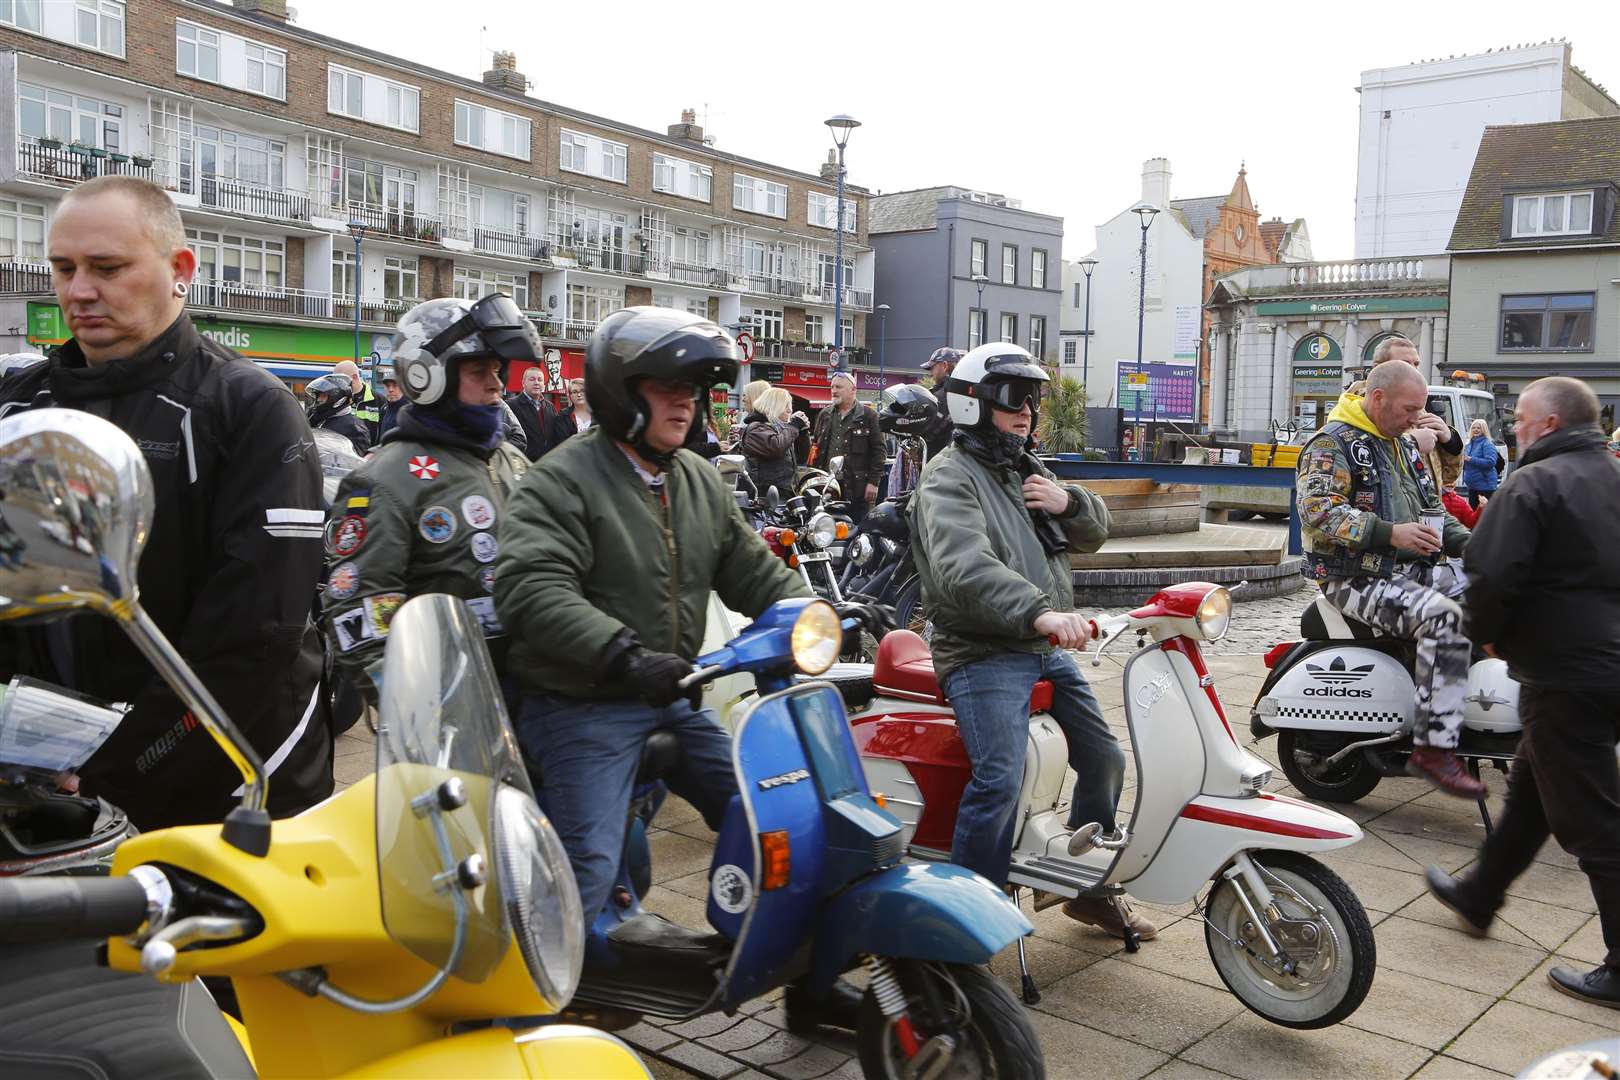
point(73, 165)
point(271, 300)
point(514, 244)
point(256, 200)
point(401, 222)
point(20, 278)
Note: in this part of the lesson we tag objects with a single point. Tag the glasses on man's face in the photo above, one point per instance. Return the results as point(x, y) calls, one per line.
point(673, 391)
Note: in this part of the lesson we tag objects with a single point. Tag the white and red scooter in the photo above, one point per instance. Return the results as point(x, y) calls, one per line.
point(1286, 934)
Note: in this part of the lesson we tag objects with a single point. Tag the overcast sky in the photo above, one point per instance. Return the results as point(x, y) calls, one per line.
point(1056, 104)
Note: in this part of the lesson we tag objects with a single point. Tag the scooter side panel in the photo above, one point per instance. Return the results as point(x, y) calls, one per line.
point(1169, 756)
point(924, 740)
point(778, 794)
point(1342, 687)
point(1210, 830)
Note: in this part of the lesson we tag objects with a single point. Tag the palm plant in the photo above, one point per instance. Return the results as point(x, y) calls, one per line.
point(1063, 418)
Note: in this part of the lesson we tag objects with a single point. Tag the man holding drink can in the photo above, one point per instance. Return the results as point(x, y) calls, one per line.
point(1378, 539)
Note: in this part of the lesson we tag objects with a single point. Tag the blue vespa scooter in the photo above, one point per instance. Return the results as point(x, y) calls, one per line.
point(806, 880)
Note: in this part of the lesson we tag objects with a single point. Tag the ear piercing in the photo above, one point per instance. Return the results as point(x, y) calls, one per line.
point(181, 288)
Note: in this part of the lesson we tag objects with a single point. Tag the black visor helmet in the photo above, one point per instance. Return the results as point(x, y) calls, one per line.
point(436, 335)
point(639, 343)
point(908, 409)
point(326, 395)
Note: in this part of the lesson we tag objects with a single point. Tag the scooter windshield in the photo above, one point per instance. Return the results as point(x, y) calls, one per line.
point(443, 751)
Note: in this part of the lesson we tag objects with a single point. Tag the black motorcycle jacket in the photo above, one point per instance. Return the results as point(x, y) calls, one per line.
point(351, 427)
point(230, 565)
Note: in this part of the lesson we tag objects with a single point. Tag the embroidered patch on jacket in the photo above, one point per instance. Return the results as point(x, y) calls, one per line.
point(423, 467)
point(344, 582)
point(349, 535)
point(478, 511)
point(437, 524)
point(484, 547)
point(380, 611)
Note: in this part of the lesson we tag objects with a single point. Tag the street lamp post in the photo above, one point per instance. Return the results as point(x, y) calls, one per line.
point(1087, 266)
point(1146, 213)
point(357, 229)
point(840, 126)
point(984, 326)
point(883, 336)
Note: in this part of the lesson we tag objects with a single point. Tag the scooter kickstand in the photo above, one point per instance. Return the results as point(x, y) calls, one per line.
point(1484, 811)
point(1031, 993)
point(1133, 940)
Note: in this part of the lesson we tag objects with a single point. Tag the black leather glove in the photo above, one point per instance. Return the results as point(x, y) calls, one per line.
point(656, 675)
point(874, 619)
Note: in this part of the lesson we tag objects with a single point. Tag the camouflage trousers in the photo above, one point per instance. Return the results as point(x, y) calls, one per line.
point(1418, 605)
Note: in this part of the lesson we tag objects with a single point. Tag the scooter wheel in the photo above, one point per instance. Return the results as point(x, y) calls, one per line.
point(989, 1031)
point(1344, 782)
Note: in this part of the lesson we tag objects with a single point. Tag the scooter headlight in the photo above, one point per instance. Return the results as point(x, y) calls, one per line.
point(541, 898)
point(817, 638)
point(1215, 614)
point(822, 530)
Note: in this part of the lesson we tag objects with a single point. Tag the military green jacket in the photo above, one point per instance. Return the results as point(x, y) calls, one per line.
point(416, 517)
point(985, 575)
point(588, 550)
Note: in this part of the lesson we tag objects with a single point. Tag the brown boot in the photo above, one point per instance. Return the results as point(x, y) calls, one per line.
point(1445, 770)
point(1099, 911)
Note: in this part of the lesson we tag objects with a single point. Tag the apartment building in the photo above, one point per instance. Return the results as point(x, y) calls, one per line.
point(326, 186)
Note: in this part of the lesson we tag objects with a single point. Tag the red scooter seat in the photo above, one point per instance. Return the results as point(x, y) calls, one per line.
point(905, 669)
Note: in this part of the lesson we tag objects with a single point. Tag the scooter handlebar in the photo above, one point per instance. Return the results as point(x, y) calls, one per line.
point(57, 908)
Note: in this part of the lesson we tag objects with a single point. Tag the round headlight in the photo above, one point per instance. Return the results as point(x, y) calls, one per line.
point(817, 638)
point(541, 898)
point(1215, 614)
point(861, 550)
point(821, 530)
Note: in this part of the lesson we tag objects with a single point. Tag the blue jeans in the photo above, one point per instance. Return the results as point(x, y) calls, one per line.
point(991, 701)
point(587, 753)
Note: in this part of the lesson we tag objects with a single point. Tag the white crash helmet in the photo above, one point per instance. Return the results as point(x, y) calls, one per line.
point(992, 373)
point(17, 361)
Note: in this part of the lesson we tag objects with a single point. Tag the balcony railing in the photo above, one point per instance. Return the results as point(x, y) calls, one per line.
point(401, 222)
point(73, 165)
point(1367, 271)
point(270, 300)
point(514, 244)
point(18, 278)
point(254, 200)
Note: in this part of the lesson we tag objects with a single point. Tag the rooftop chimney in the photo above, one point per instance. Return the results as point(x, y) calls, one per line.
point(829, 171)
point(688, 128)
point(1156, 182)
point(266, 9)
point(504, 75)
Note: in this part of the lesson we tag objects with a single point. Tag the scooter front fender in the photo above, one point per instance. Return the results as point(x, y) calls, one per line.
point(915, 912)
point(559, 1050)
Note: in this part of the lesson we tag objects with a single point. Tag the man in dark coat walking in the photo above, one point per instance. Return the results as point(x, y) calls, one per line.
point(1544, 595)
point(535, 413)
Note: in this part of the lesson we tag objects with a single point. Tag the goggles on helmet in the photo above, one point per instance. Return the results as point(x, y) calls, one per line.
point(506, 333)
point(1009, 395)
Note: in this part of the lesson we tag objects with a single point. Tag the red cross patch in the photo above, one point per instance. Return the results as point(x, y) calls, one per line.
point(424, 468)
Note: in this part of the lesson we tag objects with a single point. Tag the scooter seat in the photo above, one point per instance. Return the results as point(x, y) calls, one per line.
point(1321, 621)
point(905, 669)
point(660, 756)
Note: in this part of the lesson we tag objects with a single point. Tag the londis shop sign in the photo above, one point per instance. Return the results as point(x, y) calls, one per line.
point(261, 341)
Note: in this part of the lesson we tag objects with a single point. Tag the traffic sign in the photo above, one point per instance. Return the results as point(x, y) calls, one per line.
point(745, 342)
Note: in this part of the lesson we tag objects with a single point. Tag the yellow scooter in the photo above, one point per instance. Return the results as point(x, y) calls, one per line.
point(366, 937)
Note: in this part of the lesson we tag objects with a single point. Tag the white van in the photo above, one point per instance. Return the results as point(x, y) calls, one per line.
point(1461, 406)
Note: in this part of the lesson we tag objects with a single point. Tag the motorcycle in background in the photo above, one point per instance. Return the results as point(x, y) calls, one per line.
point(374, 934)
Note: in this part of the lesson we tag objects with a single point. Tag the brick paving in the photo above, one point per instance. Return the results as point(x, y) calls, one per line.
point(1443, 1005)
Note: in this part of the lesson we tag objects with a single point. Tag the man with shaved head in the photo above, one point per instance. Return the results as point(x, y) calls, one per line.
point(1544, 595)
point(1377, 537)
point(364, 402)
point(234, 547)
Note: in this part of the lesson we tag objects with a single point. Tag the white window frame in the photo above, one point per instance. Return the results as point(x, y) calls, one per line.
point(343, 273)
point(1037, 268)
point(33, 23)
point(822, 211)
point(1539, 201)
point(474, 283)
point(978, 324)
point(1009, 327)
point(402, 102)
point(1071, 351)
point(755, 195)
point(590, 303)
point(402, 271)
point(504, 133)
point(815, 328)
point(202, 37)
point(592, 155)
point(1037, 337)
point(691, 246)
point(103, 15)
point(767, 323)
point(270, 61)
point(245, 248)
point(80, 108)
point(1009, 264)
point(669, 172)
point(108, 23)
point(18, 213)
point(978, 258)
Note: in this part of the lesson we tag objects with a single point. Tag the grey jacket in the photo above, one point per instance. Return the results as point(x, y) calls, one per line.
point(985, 576)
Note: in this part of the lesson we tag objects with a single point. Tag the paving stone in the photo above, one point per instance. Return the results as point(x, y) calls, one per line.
point(1538, 992)
point(1433, 822)
point(1586, 944)
point(695, 885)
point(778, 1047)
point(1555, 885)
point(816, 1060)
point(1547, 925)
point(1073, 1050)
point(702, 1060)
point(1510, 1036)
point(1441, 1067)
point(1255, 1049)
point(677, 908)
point(1425, 851)
point(1417, 1010)
point(1179, 950)
point(676, 856)
point(1376, 886)
point(1427, 909)
point(702, 1026)
point(647, 1037)
point(675, 811)
point(1433, 952)
point(352, 769)
point(665, 1070)
point(1177, 1069)
point(748, 1032)
point(1144, 1006)
point(1049, 961)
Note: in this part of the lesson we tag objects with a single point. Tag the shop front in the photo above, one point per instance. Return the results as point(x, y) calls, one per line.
point(1318, 379)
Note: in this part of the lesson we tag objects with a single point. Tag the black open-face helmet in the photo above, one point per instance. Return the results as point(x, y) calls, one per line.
point(908, 409)
point(436, 335)
point(651, 343)
point(326, 396)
